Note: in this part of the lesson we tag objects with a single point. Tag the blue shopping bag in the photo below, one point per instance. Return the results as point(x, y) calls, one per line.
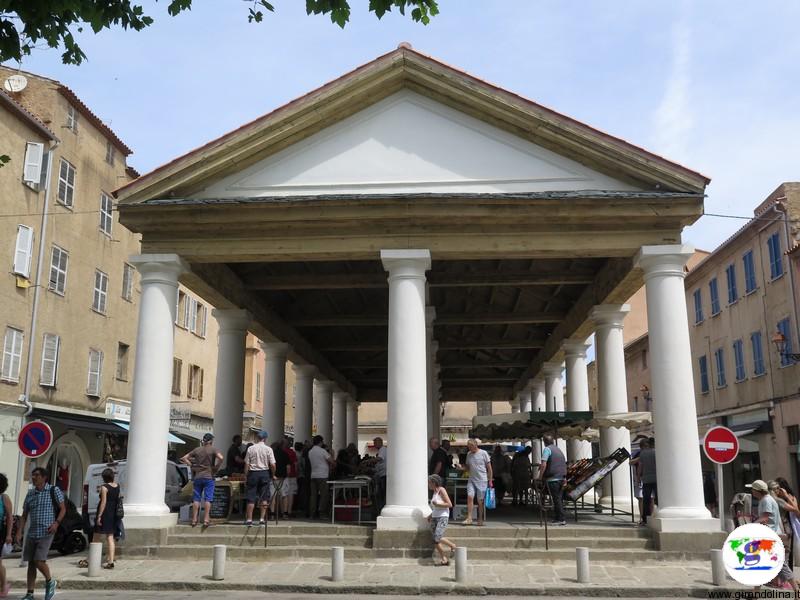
point(490, 499)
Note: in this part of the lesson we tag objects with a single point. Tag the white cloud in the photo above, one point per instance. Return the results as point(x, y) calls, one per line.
point(673, 118)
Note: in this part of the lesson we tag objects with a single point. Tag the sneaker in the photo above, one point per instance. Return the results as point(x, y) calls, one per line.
point(467, 521)
point(560, 523)
point(50, 589)
point(248, 523)
point(28, 596)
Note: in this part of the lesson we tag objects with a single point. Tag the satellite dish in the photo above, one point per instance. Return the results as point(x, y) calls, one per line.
point(15, 83)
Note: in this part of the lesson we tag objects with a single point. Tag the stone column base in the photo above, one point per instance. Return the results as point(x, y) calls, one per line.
point(695, 542)
point(164, 521)
point(684, 525)
point(620, 503)
point(403, 517)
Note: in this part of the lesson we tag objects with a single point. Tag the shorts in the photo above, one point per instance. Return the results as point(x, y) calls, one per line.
point(258, 487)
point(37, 548)
point(289, 487)
point(477, 488)
point(203, 488)
point(438, 526)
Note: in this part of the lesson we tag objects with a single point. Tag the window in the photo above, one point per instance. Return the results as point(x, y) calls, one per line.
point(72, 119)
point(758, 353)
point(50, 349)
point(34, 159)
point(110, 153)
point(122, 361)
point(59, 260)
point(719, 357)
point(775, 258)
point(195, 382)
point(23, 251)
point(66, 183)
point(698, 307)
point(177, 373)
point(704, 387)
point(644, 359)
point(793, 433)
point(749, 272)
point(127, 282)
point(106, 214)
point(181, 307)
point(733, 292)
point(12, 355)
point(197, 317)
point(783, 327)
point(714, 290)
point(95, 373)
point(738, 359)
point(100, 292)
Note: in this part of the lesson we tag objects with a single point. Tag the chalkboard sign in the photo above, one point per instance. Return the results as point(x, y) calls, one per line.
point(221, 504)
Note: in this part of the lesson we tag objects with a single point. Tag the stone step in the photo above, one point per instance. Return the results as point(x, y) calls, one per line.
point(293, 553)
point(554, 542)
point(255, 540)
point(570, 531)
point(281, 529)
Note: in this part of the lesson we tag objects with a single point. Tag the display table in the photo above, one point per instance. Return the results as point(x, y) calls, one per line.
point(343, 485)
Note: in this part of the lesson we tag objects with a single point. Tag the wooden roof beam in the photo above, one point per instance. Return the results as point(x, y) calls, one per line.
point(476, 364)
point(441, 320)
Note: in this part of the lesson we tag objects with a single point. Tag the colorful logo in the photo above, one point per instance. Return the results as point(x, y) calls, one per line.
point(753, 554)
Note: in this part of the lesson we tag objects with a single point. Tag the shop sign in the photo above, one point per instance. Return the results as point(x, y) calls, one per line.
point(118, 411)
point(180, 415)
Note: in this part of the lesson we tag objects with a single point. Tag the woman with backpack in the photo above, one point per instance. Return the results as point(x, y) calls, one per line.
point(109, 513)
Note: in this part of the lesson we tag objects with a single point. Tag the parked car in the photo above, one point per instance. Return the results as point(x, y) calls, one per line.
point(175, 481)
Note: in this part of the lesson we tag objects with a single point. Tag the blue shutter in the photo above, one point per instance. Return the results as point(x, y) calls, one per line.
point(758, 353)
point(698, 307)
point(749, 272)
point(719, 355)
point(738, 357)
point(733, 292)
point(714, 291)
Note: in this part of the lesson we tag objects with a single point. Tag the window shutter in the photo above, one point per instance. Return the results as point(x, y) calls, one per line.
point(187, 307)
point(203, 318)
point(32, 172)
point(95, 369)
point(49, 360)
point(192, 324)
point(23, 251)
point(200, 391)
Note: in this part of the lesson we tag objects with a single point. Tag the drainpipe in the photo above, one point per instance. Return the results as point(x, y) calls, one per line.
point(25, 397)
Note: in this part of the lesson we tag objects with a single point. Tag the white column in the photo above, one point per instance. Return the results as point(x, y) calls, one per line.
point(680, 486)
point(303, 401)
point(274, 419)
point(554, 393)
point(152, 385)
point(340, 400)
point(430, 359)
point(352, 423)
point(525, 399)
point(323, 390)
point(577, 392)
point(229, 391)
point(537, 405)
point(612, 393)
point(407, 489)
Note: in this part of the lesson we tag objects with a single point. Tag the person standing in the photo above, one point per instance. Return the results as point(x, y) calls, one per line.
point(522, 476)
point(553, 471)
point(321, 464)
point(647, 475)
point(479, 466)
point(440, 513)
point(501, 469)
point(40, 506)
point(380, 475)
point(107, 520)
point(205, 461)
point(234, 462)
point(291, 478)
point(769, 514)
point(437, 465)
point(6, 526)
point(259, 471)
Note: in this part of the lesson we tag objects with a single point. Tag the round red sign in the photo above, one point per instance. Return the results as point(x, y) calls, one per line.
point(721, 445)
point(35, 438)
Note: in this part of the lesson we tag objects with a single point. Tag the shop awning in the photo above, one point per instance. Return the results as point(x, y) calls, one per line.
point(90, 424)
point(172, 439)
point(188, 433)
point(568, 425)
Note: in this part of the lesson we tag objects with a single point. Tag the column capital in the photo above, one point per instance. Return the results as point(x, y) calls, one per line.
point(275, 349)
point(575, 348)
point(552, 368)
point(430, 315)
point(339, 396)
point(609, 315)
point(664, 260)
point(232, 319)
point(324, 385)
point(304, 371)
point(159, 268)
point(406, 263)
point(537, 381)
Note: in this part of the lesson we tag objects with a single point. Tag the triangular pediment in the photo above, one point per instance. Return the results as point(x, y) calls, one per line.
point(408, 143)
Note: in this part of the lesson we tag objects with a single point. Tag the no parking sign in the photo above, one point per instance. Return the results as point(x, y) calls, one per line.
point(35, 439)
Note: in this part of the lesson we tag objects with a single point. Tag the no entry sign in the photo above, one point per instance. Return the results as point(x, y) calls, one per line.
point(35, 439)
point(721, 445)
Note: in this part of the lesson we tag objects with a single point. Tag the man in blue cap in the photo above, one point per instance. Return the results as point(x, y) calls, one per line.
point(259, 469)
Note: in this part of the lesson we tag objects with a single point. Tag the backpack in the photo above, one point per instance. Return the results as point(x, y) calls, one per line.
point(56, 509)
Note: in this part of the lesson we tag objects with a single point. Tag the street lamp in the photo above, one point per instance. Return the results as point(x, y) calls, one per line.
point(780, 344)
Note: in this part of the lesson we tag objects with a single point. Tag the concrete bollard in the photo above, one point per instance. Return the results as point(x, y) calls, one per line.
point(218, 564)
point(95, 558)
point(582, 560)
point(461, 564)
point(718, 574)
point(337, 563)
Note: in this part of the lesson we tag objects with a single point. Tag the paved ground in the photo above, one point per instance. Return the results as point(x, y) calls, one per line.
point(247, 596)
point(385, 576)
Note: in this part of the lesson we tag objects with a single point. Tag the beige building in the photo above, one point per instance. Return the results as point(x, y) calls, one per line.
point(737, 299)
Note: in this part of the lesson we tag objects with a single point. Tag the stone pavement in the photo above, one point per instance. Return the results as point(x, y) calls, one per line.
point(388, 576)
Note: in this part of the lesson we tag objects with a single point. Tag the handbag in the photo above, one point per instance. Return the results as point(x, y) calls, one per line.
point(489, 499)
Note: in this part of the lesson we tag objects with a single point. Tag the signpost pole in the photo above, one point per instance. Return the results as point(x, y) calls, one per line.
point(720, 499)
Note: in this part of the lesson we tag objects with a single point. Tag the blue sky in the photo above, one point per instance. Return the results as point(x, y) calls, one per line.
point(712, 84)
